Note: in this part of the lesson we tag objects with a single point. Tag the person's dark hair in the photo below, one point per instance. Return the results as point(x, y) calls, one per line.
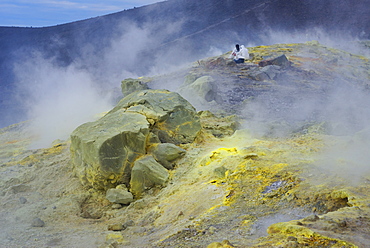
point(237, 47)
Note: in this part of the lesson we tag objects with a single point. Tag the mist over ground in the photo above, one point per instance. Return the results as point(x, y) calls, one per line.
point(61, 84)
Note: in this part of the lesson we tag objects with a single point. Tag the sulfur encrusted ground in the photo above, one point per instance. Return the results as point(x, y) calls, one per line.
point(306, 187)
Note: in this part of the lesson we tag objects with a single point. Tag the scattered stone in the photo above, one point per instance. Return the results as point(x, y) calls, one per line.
point(146, 174)
point(129, 223)
point(250, 156)
point(212, 230)
point(37, 222)
point(116, 206)
point(119, 195)
point(116, 227)
point(166, 153)
point(280, 61)
point(223, 244)
point(22, 200)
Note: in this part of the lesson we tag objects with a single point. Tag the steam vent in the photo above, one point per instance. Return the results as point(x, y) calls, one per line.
point(273, 152)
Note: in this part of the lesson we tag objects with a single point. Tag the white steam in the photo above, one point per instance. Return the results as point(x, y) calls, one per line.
point(60, 98)
point(57, 99)
point(343, 106)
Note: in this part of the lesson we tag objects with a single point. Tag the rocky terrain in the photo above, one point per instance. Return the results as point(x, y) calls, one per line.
point(269, 153)
point(111, 47)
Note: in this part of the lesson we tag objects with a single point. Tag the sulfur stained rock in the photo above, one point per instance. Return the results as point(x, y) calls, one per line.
point(219, 126)
point(146, 174)
point(291, 228)
point(116, 227)
point(103, 151)
point(223, 244)
point(166, 154)
point(171, 117)
point(119, 195)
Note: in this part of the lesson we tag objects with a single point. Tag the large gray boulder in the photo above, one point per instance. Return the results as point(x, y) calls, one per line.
point(147, 173)
point(201, 91)
point(103, 152)
point(172, 118)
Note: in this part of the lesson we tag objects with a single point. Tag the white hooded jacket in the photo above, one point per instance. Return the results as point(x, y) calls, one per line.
point(242, 54)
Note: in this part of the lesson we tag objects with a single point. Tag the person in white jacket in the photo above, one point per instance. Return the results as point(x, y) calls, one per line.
point(239, 54)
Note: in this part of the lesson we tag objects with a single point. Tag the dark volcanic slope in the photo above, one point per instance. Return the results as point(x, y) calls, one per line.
point(189, 27)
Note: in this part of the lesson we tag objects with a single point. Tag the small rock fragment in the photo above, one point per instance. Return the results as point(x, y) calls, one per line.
point(129, 223)
point(167, 153)
point(250, 156)
point(37, 222)
point(223, 244)
point(22, 200)
point(212, 230)
point(116, 206)
point(116, 227)
point(119, 195)
point(147, 173)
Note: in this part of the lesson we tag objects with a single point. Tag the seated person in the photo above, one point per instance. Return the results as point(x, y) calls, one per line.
point(239, 54)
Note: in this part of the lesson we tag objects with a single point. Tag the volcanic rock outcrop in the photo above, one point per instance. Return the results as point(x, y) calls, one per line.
point(201, 90)
point(104, 152)
point(292, 183)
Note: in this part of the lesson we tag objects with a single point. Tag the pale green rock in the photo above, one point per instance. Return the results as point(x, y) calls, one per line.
point(119, 195)
point(147, 173)
point(130, 85)
point(173, 119)
point(103, 152)
point(166, 153)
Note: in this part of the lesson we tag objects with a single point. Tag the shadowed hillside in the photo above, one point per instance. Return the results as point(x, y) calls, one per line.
point(165, 34)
